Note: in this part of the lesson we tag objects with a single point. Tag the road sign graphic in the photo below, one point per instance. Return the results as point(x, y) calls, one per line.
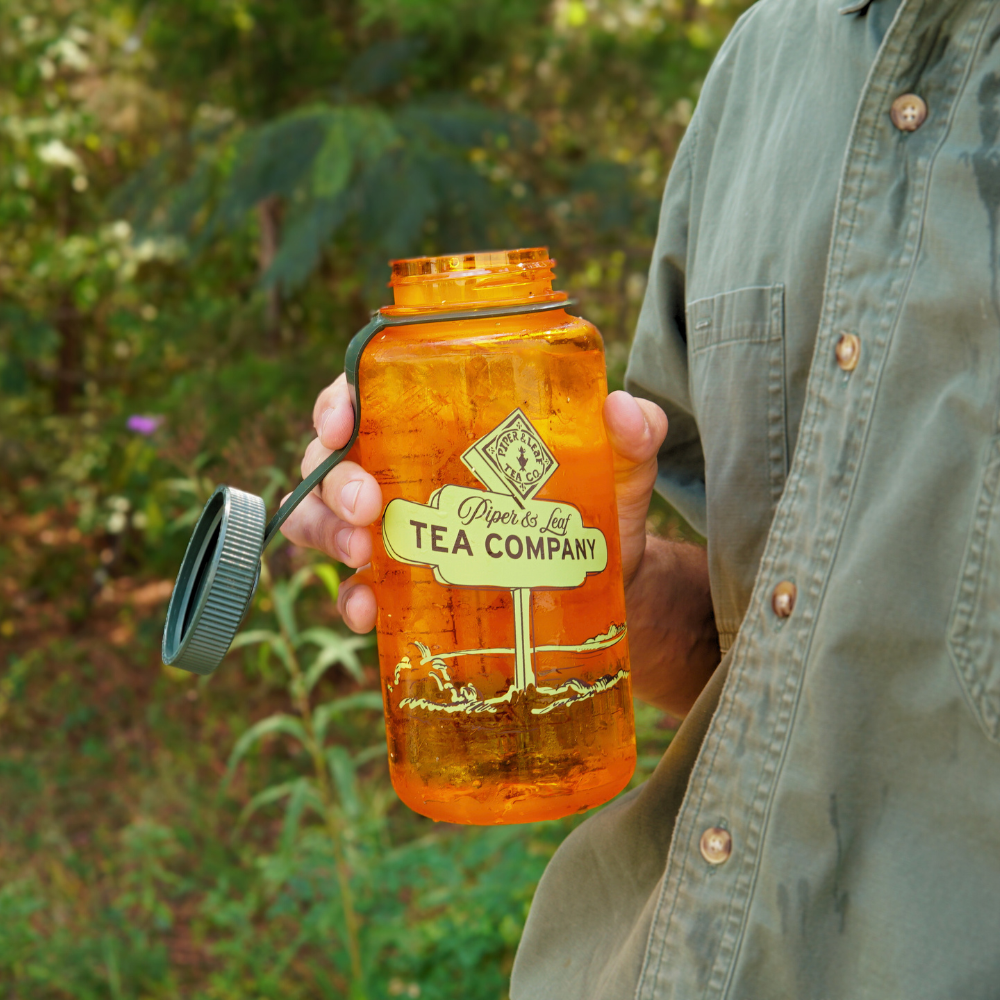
point(515, 452)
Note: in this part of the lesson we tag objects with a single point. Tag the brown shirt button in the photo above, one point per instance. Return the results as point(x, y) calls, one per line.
point(848, 351)
point(783, 599)
point(908, 112)
point(716, 845)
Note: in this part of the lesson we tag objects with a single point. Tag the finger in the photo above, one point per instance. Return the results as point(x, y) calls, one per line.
point(353, 494)
point(314, 454)
point(325, 396)
point(356, 602)
point(636, 427)
point(349, 491)
point(313, 525)
point(333, 414)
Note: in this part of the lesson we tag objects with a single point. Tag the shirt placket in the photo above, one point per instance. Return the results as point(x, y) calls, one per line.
point(706, 892)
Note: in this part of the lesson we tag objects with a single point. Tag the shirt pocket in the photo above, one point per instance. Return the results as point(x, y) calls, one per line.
point(736, 353)
point(974, 626)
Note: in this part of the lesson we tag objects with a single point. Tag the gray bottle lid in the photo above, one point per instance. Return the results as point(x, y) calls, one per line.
point(216, 582)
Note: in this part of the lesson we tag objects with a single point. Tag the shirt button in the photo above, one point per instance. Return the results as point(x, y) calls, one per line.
point(908, 112)
point(783, 599)
point(848, 351)
point(716, 845)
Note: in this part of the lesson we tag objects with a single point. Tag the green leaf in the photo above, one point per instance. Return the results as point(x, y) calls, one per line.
point(299, 580)
point(332, 166)
point(328, 575)
point(277, 479)
point(360, 701)
point(284, 652)
point(274, 793)
point(188, 199)
point(186, 519)
point(293, 814)
point(334, 648)
point(188, 485)
point(383, 64)
point(374, 752)
point(285, 594)
point(270, 160)
point(344, 773)
point(280, 723)
point(254, 636)
point(266, 639)
point(310, 228)
point(327, 657)
point(284, 609)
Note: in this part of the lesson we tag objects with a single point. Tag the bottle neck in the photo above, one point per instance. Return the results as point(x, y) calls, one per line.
point(465, 281)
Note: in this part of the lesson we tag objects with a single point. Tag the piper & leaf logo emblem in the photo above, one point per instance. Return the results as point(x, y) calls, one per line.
point(515, 453)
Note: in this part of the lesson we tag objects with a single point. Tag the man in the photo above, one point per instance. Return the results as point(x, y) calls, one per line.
point(822, 329)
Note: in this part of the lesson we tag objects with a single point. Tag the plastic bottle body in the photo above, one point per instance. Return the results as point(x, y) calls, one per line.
point(501, 623)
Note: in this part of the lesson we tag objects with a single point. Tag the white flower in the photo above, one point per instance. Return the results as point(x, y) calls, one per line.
point(69, 53)
point(57, 154)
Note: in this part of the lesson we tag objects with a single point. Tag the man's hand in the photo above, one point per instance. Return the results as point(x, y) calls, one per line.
point(673, 643)
point(672, 638)
point(336, 521)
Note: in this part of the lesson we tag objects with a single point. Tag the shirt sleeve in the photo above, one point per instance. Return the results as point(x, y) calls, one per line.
point(658, 363)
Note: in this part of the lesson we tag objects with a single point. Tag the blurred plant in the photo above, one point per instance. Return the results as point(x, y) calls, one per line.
point(425, 127)
point(331, 791)
point(381, 939)
point(190, 898)
point(270, 155)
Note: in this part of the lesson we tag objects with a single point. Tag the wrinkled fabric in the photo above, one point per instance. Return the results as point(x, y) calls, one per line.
point(853, 749)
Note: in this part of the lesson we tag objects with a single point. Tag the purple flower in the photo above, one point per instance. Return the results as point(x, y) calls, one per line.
point(143, 425)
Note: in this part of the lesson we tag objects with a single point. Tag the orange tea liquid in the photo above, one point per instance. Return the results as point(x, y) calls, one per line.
point(507, 698)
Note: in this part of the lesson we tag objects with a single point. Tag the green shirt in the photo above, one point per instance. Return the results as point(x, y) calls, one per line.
point(851, 750)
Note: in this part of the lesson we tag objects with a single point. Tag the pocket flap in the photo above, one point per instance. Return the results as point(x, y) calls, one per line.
point(746, 314)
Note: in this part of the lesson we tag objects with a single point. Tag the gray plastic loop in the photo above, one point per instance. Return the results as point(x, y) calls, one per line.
point(221, 566)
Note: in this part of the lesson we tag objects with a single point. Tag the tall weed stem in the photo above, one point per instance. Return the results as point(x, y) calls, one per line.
point(334, 826)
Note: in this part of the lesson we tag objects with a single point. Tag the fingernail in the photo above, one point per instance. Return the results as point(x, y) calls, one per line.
point(324, 417)
point(344, 541)
point(349, 494)
point(347, 606)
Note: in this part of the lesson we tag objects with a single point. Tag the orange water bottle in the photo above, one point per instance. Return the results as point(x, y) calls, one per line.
point(496, 561)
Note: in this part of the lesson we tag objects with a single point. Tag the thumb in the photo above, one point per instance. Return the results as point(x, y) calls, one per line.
point(636, 429)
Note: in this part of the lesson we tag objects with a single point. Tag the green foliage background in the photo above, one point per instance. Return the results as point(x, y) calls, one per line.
point(197, 202)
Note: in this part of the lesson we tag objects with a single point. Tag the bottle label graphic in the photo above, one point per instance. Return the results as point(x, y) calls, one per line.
point(516, 453)
point(502, 537)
